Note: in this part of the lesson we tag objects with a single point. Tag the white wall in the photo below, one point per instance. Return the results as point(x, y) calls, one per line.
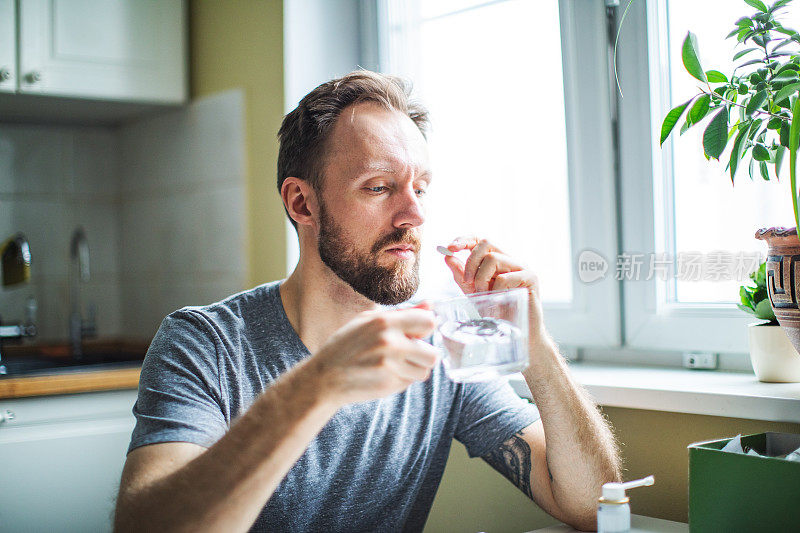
point(53, 179)
point(182, 210)
point(162, 203)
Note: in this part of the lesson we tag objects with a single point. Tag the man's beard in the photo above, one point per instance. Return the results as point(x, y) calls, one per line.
point(383, 285)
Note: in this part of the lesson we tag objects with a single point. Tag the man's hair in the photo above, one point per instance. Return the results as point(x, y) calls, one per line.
point(305, 130)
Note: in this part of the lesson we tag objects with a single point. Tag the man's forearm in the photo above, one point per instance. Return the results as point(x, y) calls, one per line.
point(226, 487)
point(581, 450)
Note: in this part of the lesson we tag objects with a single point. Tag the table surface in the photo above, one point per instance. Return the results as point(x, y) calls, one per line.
point(639, 524)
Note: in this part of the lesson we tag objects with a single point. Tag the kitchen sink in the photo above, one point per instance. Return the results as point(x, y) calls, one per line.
point(25, 361)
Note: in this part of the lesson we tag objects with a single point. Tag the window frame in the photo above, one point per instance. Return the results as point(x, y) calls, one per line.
point(652, 322)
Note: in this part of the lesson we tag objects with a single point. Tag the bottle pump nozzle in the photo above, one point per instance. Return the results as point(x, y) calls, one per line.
point(615, 492)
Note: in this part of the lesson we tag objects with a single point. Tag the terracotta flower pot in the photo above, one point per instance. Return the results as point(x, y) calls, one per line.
point(783, 278)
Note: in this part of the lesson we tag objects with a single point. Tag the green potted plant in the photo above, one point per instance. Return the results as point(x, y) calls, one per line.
point(772, 355)
point(751, 113)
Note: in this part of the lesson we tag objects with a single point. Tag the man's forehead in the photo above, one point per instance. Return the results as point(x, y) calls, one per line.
point(375, 138)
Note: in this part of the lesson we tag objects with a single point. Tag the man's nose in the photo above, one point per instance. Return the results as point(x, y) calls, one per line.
point(410, 213)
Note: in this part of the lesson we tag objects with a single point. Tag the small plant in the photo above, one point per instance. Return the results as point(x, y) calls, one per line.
point(754, 297)
point(755, 105)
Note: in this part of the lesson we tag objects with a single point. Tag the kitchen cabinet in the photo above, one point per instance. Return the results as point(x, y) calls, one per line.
point(129, 50)
point(61, 458)
point(8, 46)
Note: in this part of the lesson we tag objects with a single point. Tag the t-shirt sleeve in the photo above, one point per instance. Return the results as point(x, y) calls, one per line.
point(491, 412)
point(179, 386)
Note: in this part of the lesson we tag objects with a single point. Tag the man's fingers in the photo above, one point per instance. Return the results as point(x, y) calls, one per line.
point(493, 265)
point(475, 259)
point(414, 322)
point(509, 280)
point(456, 266)
point(421, 353)
point(465, 242)
point(488, 269)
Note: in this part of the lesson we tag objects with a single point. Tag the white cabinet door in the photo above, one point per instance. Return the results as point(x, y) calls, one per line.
point(8, 46)
point(63, 474)
point(131, 50)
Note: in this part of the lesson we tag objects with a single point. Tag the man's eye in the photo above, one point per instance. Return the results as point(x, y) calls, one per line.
point(379, 188)
point(421, 192)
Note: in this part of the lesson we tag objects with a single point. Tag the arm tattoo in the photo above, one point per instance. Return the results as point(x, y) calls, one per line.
point(513, 460)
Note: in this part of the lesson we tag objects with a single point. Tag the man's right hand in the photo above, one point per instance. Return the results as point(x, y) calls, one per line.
point(375, 355)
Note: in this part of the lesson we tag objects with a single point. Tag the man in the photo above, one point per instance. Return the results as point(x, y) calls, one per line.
point(304, 405)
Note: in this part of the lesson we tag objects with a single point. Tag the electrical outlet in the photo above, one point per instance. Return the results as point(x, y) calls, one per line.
point(705, 360)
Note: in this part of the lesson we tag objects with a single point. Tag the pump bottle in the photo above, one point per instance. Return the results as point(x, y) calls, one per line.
point(614, 512)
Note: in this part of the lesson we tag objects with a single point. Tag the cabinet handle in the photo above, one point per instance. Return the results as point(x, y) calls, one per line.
point(5, 74)
point(6, 416)
point(33, 77)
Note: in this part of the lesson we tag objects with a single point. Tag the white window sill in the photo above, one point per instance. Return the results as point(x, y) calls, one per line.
point(701, 392)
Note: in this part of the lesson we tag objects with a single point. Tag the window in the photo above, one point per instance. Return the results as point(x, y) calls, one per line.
point(505, 166)
point(730, 220)
point(498, 143)
point(688, 212)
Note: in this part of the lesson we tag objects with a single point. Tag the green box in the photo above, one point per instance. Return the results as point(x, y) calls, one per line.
point(731, 492)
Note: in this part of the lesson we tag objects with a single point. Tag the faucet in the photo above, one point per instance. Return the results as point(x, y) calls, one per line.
point(79, 272)
point(15, 256)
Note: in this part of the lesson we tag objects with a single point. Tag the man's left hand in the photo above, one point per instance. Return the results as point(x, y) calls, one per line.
point(489, 269)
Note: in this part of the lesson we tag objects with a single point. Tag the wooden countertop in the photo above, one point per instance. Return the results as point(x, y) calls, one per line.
point(71, 381)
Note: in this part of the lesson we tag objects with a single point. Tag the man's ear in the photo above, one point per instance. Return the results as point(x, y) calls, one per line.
point(300, 201)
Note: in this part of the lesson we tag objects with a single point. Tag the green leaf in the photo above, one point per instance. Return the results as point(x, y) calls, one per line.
point(671, 119)
point(779, 4)
point(737, 151)
point(760, 153)
point(794, 129)
point(780, 152)
point(746, 297)
point(758, 4)
point(745, 309)
point(786, 92)
point(784, 134)
point(743, 53)
point(690, 58)
point(756, 102)
point(762, 166)
point(700, 109)
point(760, 276)
point(788, 66)
point(764, 310)
point(715, 137)
point(786, 31)
point(786, 75)
point(751, 62)
point(780, 45)
point(715, 76)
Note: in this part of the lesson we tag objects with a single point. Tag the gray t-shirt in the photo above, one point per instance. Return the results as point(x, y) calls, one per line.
point(375, 466)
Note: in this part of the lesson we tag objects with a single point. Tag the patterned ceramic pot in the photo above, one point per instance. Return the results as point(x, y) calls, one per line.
point(783, 278)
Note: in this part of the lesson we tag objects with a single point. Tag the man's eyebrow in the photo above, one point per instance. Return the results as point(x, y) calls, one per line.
point(382, 167)
point(377, 167)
